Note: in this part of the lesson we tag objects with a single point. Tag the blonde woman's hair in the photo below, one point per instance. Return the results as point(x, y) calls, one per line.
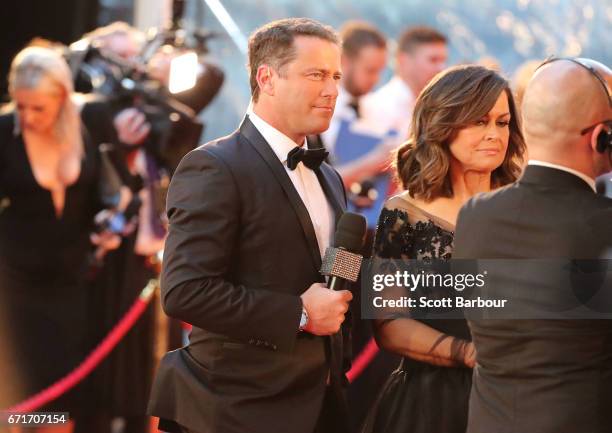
point(30, 67)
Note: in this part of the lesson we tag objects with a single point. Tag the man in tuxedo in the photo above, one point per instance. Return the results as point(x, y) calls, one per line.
point(547, 376)
point(251, 215)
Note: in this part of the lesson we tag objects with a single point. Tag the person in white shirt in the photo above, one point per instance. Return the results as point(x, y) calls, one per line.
point(422, 52)
point(364, 57)
point(351, 140)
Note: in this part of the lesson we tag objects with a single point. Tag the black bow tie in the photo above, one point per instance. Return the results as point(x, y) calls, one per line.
point(312, 158)
point(354, 104)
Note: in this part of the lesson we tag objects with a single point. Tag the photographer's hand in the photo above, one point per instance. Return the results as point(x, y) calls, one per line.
point(105, 242)
point(132, 126)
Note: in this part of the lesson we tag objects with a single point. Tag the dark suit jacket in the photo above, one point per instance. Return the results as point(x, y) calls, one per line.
point(539, 376)
point(241, 249)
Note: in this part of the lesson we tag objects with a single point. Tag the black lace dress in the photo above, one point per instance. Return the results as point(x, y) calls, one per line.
point(420, 397)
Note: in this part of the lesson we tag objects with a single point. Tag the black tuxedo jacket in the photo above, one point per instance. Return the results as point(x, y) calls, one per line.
point(241, 249)
point(539, 376)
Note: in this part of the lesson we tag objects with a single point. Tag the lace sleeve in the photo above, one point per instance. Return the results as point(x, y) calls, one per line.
point(390, 241)
point(391, 245)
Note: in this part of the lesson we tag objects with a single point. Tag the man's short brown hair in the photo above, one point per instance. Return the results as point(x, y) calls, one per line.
point(413, 37)
point(357, 35)
point(273, 44)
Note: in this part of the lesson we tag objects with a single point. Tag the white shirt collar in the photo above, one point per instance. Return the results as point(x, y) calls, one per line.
point(344, 97)
point(399, 85)
point(279, 142)
point(590, 181)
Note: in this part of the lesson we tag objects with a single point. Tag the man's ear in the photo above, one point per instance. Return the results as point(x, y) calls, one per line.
point(599, 129)
point(63, 95)
point(266, 79)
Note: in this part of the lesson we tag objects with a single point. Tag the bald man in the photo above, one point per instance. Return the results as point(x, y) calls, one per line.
point(535, 375)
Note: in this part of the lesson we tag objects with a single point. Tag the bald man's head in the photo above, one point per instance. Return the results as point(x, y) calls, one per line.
point(562, 99)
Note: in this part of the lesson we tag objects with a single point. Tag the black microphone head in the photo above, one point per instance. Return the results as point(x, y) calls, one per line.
point(350, 232)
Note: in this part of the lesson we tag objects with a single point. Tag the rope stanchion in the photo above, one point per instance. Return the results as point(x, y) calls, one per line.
point(91, 362)
point(363, 360)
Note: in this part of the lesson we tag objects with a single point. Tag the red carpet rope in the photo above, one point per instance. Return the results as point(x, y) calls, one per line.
point(91, 362)
point(114, 337)
point(363, 360)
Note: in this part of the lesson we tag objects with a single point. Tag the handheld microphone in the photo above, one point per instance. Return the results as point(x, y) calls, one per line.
point(342, 262)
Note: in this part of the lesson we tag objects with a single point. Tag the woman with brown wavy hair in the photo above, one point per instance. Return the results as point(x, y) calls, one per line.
point(465, 139)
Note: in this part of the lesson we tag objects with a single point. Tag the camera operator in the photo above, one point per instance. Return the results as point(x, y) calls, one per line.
point(125, 43)
point(144, 140)
point(147, 113)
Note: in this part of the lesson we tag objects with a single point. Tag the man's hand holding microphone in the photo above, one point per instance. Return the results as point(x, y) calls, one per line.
point(325, 307)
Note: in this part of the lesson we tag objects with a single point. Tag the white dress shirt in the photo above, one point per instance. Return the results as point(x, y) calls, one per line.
point(391, 107)
point(587, 179)
point(304, 180)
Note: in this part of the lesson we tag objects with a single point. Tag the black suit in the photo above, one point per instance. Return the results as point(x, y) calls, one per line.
point(240, 251)
point(539, 376)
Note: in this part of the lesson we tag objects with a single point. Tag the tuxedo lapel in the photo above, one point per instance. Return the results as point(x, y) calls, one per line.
point(334, 192)
point(252, 135)
point(327, 178)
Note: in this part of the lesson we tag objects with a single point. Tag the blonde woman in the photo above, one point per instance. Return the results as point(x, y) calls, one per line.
point(48, 199)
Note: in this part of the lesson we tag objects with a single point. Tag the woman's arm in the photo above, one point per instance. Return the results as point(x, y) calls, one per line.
point(413, 339)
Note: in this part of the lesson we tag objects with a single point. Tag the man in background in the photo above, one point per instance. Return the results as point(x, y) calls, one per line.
point(364, 57)
point(422, 52)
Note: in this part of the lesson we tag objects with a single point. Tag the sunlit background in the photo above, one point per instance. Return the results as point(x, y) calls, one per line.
point(509, 31)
